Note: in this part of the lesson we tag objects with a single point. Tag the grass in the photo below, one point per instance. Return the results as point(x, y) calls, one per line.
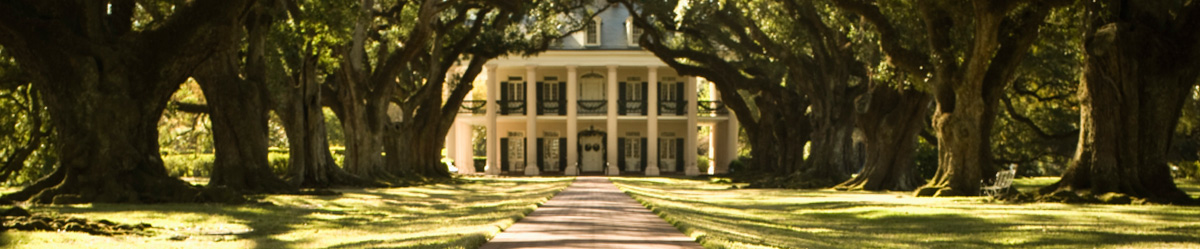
point(724, 217)
point(434, 216)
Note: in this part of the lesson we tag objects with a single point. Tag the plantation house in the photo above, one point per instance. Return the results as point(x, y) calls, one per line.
point(594, 104)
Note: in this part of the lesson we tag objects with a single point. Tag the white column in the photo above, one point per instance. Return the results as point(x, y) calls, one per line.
point(450, 143)
point(464, 153)
point(493, 137)
point(652, 122)
point(689, 142)
point(612, 122)
point(531, 131)
point(572, 122)
point(731, 135)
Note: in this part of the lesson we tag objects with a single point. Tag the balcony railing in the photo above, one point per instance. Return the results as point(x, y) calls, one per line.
point(592, 107)
point(512, 107)
point(596, 107)
point(711, 107)
point(552, 107)
point(676, 107)
point(473, 107)
point(631, 107)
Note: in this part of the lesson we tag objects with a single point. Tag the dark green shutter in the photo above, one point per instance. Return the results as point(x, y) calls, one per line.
point(644, 155)
point(541, 158)
point(681, 100)
point(679, 155)
point(621, 99)
point(562, 99)
point(540, 99)
point(662, 97)
point(562, 154)
point(578, 152)
point(645, 100)
point(621, 154)
point(503, 154)
point(503, 98)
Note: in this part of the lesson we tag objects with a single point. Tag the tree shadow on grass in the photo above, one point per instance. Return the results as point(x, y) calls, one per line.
point(377, 211)
point(264, 222)
point(864, 224)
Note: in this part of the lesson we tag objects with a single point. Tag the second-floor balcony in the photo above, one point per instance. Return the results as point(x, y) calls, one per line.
point(631, 107)
point(552, 107)
point(477, 107)
point(711, 107)
point(595, 107)
point(672, 107)
point(592, 107)
point(512, 107)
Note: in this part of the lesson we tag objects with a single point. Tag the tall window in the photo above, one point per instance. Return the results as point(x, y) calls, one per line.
point(550, 91)
point(591, 87)
point(592, 36)
point(666, 149)
point(632, 32)
point(516, 91)
point(670, 92)
point(633, 92)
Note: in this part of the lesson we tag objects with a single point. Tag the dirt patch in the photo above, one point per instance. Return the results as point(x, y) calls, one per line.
point(17, 218)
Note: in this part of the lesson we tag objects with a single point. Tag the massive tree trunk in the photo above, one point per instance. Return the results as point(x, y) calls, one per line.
point(105, 87)
point(890, 123)
point(299, 107)
point(417, 152)
point(363, 124)
point(1139, 67)
point(107, 124)
point(238, 107)
point(966, 74)
point(777, 138)
point(831, 156)
point(964, 144)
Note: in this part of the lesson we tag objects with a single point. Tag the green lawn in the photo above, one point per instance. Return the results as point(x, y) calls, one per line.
point(434, 216)
point(722, 217)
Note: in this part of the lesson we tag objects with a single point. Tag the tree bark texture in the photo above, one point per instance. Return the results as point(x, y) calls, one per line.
point(890, 123)
point(363, 125)
point(238, 108)
point(363, 93)
point(238, 111)
point(106, 87)
point(832, 157)
point(1137, 75)
point(966, 75)
point(311, 165)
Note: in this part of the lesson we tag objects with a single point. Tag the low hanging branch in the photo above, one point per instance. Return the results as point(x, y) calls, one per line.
point(1041, 132)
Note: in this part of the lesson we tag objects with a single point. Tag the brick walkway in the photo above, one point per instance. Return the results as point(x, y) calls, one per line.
point(591, 213)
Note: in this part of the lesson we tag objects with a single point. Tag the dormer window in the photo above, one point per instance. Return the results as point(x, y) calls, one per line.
point(632, 32)
point(592, 34)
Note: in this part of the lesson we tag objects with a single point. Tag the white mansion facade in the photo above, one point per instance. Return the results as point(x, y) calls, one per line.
point(595, 104)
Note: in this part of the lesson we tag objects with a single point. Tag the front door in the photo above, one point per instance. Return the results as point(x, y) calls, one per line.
point(592, 158)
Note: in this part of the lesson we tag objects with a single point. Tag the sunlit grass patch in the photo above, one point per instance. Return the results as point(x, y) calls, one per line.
point(433, 216)
point(724, 217)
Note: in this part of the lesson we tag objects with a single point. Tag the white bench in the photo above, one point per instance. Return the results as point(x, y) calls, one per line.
point(1000, 185)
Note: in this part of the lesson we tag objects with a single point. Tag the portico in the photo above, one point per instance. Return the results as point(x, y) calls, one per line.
point(587, 112)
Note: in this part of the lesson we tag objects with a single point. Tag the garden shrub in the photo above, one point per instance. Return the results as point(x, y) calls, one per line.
point(188, 165)
point(278, 162)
